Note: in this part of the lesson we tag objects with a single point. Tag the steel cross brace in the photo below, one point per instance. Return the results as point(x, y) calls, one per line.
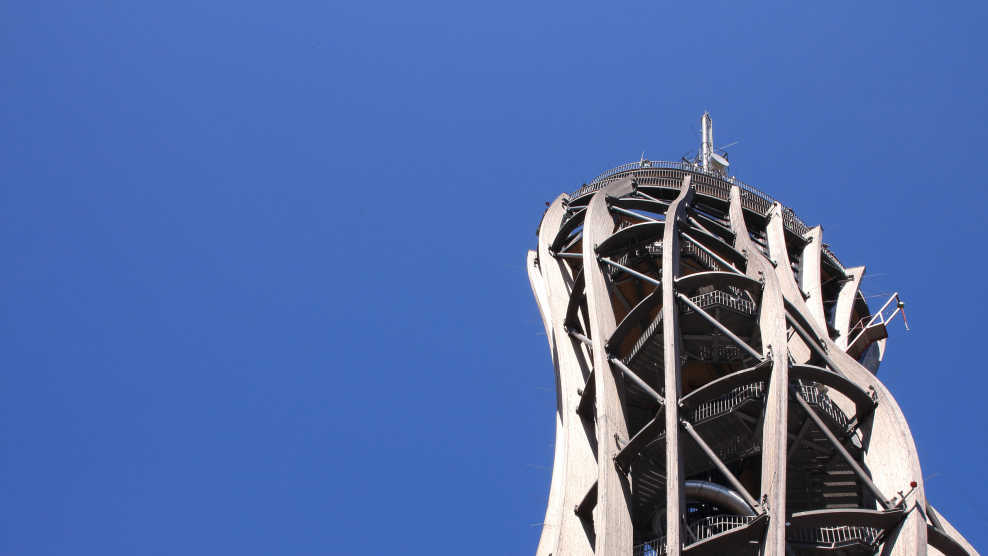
point(841, 449)
point(723, 329)
point(632, 272)
point(721, 467)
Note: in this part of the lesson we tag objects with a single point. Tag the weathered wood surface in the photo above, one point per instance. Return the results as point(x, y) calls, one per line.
point(890, 453)
point(845, 305)
point(671, 348)
point(612, 516)
point(584, 454)
point(809, 275)
point(574, 467)
point(772, 324)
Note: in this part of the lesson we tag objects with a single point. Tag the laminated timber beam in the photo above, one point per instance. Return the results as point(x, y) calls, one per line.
point(568, 226)
point(846, 295)
point(945, 538)
point(774, 423)
point(672, 367)
point(612, 515)
point(574, 465)
point(594, 457)
point(809, 275)
point(888, 447)
point(634, 318)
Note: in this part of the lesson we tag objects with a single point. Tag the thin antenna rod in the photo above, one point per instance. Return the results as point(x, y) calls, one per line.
point(707, 146)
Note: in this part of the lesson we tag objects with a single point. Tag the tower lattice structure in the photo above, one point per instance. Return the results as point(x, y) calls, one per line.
point(716, 378)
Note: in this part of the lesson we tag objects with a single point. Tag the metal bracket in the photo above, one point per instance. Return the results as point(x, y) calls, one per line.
point(618, 442)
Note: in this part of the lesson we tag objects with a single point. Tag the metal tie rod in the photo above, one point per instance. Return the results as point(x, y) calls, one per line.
point(634, 273)
point(841, 450)
point(721, 467)
point(724, 330)
point(634, 214)
point(706, 250)
point(699, 226)
point(650, 198)
point(568, 255)
point(637, 380)
point(579, 336)
point(812, 342)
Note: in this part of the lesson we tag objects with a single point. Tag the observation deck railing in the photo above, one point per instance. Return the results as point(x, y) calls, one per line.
point(833, 538)
point(727, 403)
point(827, 538)
point(701, 529)
point(752, 198)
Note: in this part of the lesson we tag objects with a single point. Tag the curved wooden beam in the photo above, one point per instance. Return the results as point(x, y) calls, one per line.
point(574, 467)
point(889, 450)
point(636, 233)
point(554, 507)
point(567, 227)
point(845, 305)
point(633, 318)
point(945, 529)
point(671, 348)
point(612, 516)
point(809, 274)
point(772, 324)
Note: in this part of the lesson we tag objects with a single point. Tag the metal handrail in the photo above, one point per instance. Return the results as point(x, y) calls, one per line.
point(701, 529)
point(597, 182)
point(835, 537)
point(725, 299)
point(728, 402)
point(879, 316)
point(815, 397)
point(752, 198)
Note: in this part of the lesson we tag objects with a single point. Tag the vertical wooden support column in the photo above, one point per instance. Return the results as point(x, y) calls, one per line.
point(612, 515)
point(671, 346)
point(809, 275)
point(772, 324)
point(574, 468)
point(584, 470)
point(889, 451)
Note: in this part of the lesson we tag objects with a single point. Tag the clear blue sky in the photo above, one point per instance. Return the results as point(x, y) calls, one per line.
point(264, 286)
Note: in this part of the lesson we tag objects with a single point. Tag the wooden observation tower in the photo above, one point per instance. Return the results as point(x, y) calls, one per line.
point(716, 378)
